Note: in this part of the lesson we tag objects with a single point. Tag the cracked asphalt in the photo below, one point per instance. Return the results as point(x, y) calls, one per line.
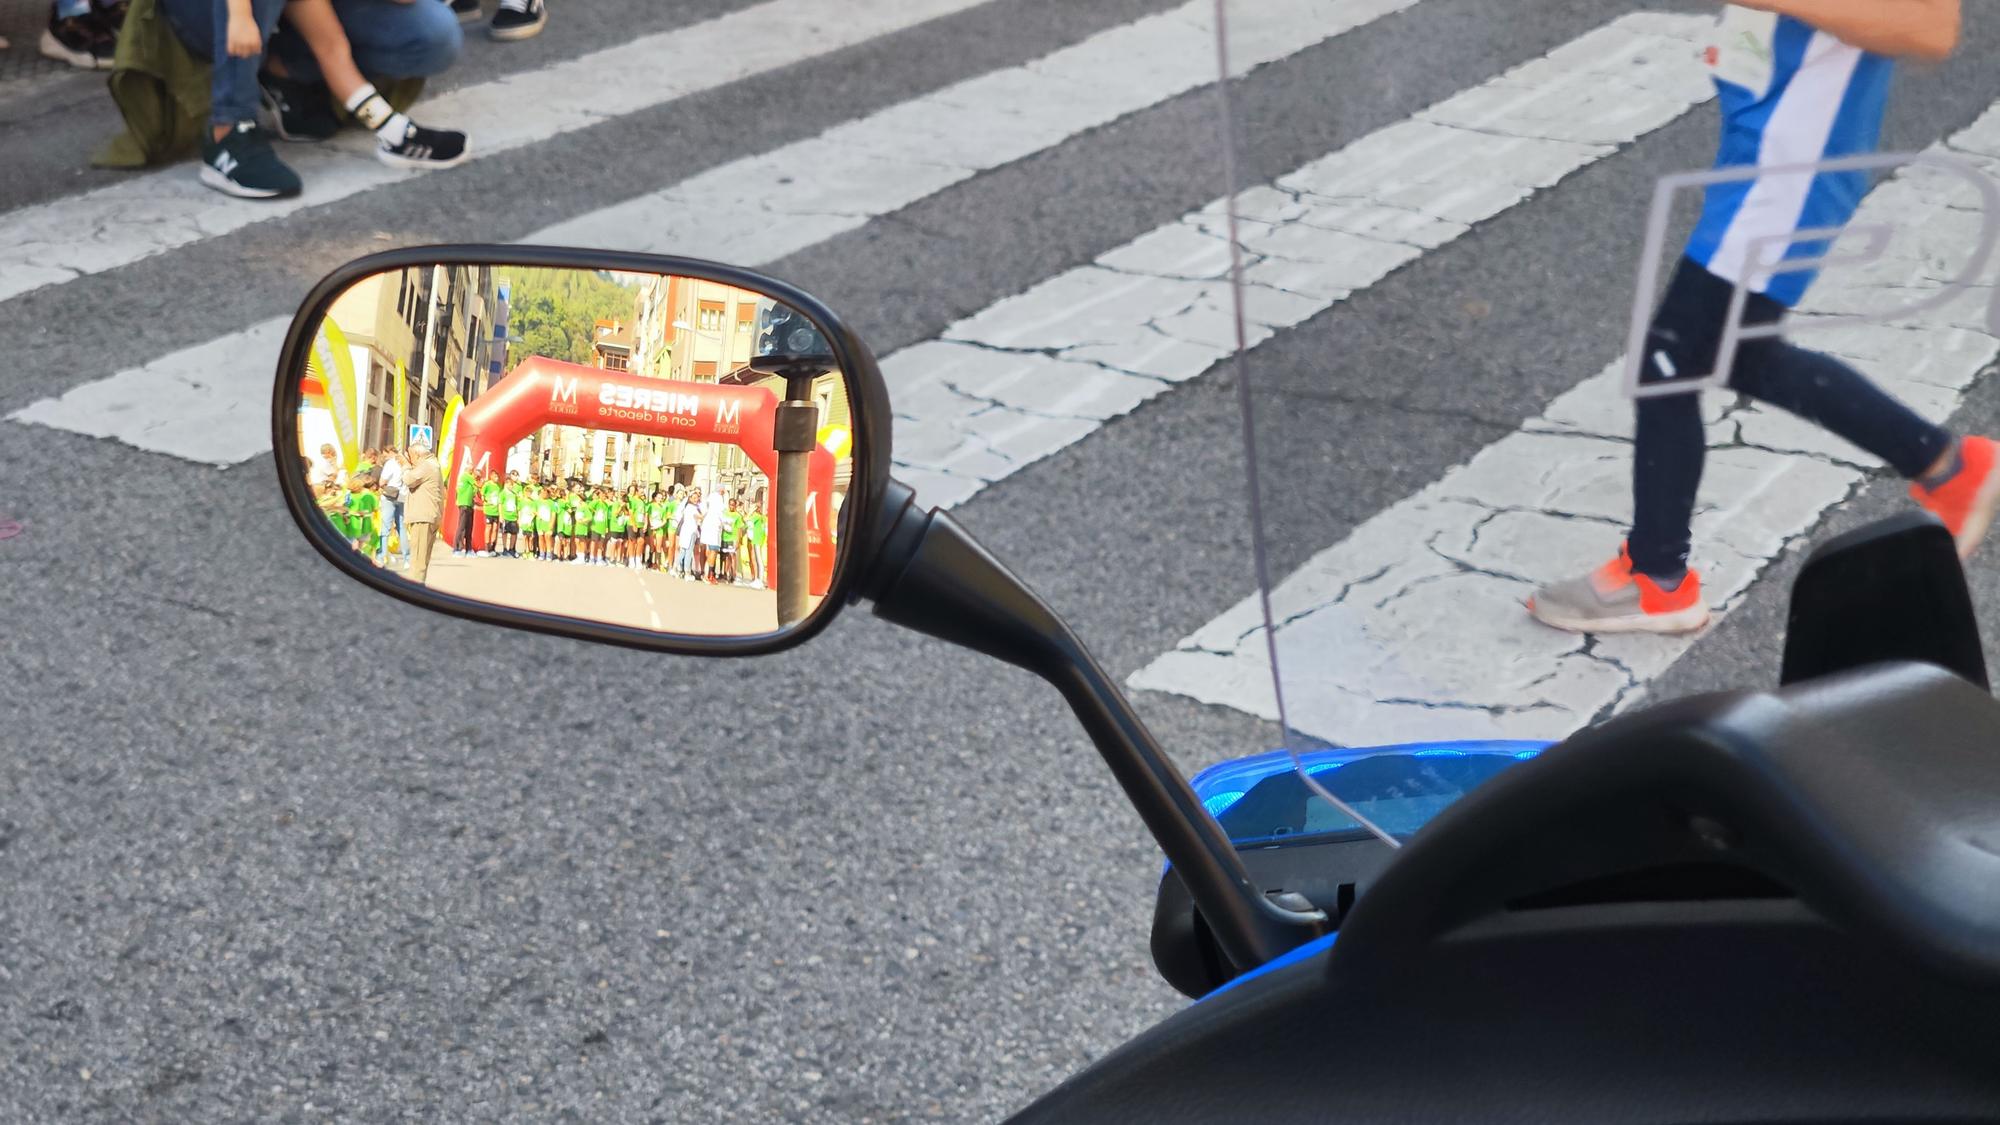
point(278, 849)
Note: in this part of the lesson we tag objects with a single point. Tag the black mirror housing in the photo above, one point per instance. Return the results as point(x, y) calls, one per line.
point(855, 529)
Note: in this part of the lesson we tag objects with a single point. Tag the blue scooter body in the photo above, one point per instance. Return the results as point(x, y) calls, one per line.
point(1400, 788)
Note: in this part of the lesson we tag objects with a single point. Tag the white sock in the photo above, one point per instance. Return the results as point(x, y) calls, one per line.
point(372, 110)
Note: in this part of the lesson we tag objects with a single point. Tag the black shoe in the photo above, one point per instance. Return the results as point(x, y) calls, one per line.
point(81, 41)
point(242, 164)
point(467, 11)
point(519, 19)
point(297, 111)
point(425, 148)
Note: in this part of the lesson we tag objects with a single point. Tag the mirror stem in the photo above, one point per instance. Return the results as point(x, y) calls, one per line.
point(795, 434)
point(933, 578)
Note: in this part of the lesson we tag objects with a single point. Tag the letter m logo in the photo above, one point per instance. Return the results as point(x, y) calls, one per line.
point(563, 391)
point(728, 412)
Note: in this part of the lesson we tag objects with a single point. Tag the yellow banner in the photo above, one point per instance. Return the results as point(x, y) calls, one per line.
point(447, 437)
point(401, 397)
point(336, 372)
point(313, 375)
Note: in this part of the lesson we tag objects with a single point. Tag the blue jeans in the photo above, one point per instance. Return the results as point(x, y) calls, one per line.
point(203, 27)
point(392, 520)
point(389, 40)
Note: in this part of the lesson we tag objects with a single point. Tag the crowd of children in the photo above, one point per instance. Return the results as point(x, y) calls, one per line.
point(675, 530)
point(354, 504)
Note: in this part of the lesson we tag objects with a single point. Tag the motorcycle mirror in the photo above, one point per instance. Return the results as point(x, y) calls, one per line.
point(650, 451)
point(534, 370)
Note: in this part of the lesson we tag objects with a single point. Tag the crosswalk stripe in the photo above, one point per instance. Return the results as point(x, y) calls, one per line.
point(1036, 372)
point(893, 158)
point(761, 208)
point(1412, 627)
point(58, 241)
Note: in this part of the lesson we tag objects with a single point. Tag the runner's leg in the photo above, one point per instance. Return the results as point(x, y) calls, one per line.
point(1669, 444)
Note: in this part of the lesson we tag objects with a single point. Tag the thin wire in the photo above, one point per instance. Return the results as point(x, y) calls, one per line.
point(1258, 555)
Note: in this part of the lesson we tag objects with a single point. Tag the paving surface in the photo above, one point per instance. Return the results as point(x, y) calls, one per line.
point(278, 848)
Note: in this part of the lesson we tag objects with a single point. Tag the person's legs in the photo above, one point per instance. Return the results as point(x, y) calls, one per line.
point(420, 555)
point(1835, 397)
point(1670, 445)
point(341, 43)
point(395, 40)
point(1648, 588)
point(1687, 337)
point(315, 48)
point(392, 528)
point(202, 26)
point(78, 36)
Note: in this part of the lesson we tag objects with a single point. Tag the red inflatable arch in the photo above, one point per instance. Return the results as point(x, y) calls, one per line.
point(542, 391)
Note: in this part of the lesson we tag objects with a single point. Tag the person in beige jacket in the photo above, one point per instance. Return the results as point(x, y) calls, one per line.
point(423, 503)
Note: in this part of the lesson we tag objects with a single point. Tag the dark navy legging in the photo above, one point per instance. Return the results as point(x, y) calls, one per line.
point(1667, 462)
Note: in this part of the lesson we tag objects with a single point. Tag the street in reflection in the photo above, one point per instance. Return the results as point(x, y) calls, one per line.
point(601, 446)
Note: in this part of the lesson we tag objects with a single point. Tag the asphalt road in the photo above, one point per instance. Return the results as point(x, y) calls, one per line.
point(277, 848)
point(614, 594)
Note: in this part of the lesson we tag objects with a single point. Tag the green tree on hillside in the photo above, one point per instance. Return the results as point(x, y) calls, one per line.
point(553, 312)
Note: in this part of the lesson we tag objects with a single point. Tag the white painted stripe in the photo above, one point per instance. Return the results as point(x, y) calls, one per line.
point(1036, 372)
point(1380, 642)
point(151, 213)
point(764, 207)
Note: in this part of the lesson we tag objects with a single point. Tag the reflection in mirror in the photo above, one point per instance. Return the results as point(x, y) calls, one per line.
point(666, 453)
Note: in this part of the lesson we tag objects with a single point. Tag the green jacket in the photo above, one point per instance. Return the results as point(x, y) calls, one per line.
point(161, 89)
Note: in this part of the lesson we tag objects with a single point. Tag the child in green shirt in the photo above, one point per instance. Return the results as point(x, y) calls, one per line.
point(362, 504)
point(600, 525)
point(545, 525)
point(731, 523)
point(563, 526)
point(757, 531)
point(620, 523)
point(579, 527)
point(656, 530)
point(510, 517)
point(463, 499)
point(489, 496)
point(333, 505)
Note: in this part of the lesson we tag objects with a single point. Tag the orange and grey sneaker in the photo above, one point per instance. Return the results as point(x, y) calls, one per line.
point(1616, 599)
point(1966, 500)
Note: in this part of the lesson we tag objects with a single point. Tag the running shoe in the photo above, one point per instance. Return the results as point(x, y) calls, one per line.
point(425, 148)
point(467, 11)
point(297, 111)
point(1966, 501)
point(1616, 599)
point(242, 164)
point(518, 19)
point(83, 42)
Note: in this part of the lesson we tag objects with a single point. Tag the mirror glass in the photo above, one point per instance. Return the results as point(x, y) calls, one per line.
point(661, 452)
